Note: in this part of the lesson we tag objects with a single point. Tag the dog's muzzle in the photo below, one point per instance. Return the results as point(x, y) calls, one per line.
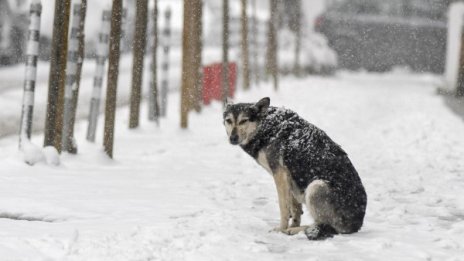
point(234, 139)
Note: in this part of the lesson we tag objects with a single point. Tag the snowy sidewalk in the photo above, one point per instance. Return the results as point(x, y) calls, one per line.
point(189, 195)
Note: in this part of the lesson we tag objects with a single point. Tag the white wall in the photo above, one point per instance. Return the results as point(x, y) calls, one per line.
point(455, 23)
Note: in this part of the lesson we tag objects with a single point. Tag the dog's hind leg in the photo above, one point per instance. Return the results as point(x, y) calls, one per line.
point(319, 202)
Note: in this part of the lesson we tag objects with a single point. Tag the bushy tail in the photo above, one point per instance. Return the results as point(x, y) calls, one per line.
point(320, 232)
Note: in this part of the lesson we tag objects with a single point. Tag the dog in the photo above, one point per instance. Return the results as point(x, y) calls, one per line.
point(307, 166)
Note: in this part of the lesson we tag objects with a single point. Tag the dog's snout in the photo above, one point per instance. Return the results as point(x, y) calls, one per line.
point(234, 139)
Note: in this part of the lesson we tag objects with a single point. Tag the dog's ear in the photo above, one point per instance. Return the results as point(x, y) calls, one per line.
point(262, 105)
point(227, 103)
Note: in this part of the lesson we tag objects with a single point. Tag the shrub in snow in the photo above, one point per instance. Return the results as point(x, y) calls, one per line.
point(31, 153)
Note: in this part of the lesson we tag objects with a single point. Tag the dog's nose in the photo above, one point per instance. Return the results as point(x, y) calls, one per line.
point(234, 139)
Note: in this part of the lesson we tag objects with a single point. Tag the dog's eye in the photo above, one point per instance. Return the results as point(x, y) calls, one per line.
point(243, 121)
point(229, 121)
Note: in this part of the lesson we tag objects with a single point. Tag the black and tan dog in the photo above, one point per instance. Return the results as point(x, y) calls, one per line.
point(307, 167)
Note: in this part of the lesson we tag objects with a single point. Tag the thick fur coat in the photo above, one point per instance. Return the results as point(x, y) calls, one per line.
point(309, 156)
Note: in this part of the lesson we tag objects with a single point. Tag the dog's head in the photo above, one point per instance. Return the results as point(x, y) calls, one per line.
point(242, 119)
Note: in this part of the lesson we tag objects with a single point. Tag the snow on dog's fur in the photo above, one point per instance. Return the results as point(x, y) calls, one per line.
point(307, 166)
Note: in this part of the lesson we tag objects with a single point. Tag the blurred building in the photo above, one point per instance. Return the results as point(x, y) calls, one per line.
point(378, 35)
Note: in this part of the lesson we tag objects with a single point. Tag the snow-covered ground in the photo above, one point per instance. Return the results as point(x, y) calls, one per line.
point(189, 195)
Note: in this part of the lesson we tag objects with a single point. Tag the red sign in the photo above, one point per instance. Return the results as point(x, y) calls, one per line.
point(212, 80)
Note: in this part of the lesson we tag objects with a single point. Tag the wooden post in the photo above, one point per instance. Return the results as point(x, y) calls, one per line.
point(191, 60)
point(298, 33)
point(460, 83)
point(197, 51)
point(272, 65)
point(184, 99)
point(187, 62)
point(54, 117)
point(225, 51)
point(153, 99)
point(140, 39)
point(245, 57)
point(255, 34)
point(113, 70)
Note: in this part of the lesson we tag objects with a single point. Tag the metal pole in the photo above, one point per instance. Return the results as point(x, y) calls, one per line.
point(165, 63)
point(71, 71)
point(153, 100)
point(80, 62)
point(102, 56)
point(32, 52)
point(123, 43)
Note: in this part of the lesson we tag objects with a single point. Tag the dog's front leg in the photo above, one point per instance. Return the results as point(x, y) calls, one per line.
point(296, 211)
point(283, 193)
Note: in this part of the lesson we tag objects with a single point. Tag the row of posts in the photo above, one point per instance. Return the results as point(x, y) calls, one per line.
point(192, 52)
point(63, 91)
point(65, 72)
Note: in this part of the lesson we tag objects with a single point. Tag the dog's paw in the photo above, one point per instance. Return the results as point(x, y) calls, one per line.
point(278, 229)
point(295, 230)
point(288, 231)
